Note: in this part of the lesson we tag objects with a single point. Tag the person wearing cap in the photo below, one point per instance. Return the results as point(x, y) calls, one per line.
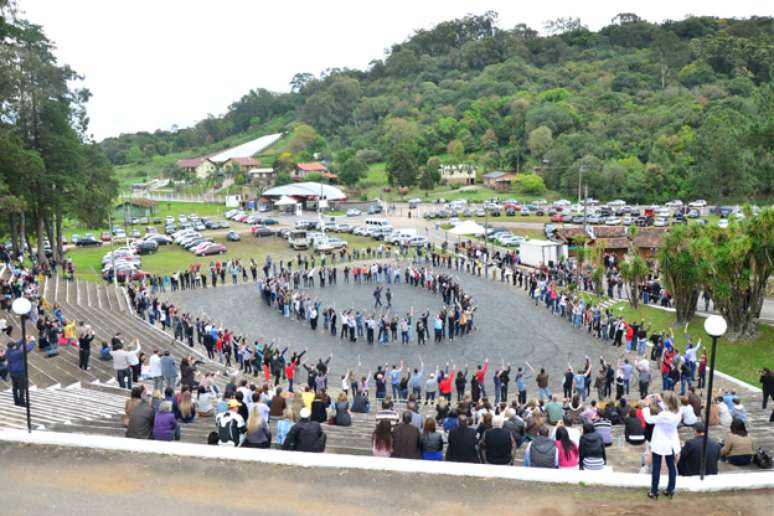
point(231, 425)
point(690, 455)
point(306, 435)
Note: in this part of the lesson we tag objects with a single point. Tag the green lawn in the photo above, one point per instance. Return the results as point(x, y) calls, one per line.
point(739, 359)
point(171, 258)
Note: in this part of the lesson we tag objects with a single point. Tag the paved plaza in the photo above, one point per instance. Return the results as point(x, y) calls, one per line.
point(507, 326)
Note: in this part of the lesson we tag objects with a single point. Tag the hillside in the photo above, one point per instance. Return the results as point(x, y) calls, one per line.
point(646, 112)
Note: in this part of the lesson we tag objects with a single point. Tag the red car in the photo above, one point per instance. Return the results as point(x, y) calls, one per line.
point(511, 206)
point(211, 249)
point(557, 217)
point(105, 236)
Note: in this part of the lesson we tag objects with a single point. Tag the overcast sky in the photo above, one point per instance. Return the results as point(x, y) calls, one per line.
point(153, 63)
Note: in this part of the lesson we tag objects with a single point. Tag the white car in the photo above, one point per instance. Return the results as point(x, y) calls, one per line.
point(354, 212)
point(698, 203)
point(723, 223)
point(454, 221)
point(677, 203)
point(627, 221)
point(515, 240)
point(417, 241)
point(660, 222)
point(613, 221)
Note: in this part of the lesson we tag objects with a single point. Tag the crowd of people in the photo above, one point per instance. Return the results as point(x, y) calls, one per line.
point(484, 425)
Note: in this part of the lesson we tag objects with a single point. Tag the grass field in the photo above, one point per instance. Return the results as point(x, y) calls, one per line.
point(172, 258)
point(739, 359)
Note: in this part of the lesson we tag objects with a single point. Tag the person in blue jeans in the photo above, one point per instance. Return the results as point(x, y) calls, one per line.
point(394, 376)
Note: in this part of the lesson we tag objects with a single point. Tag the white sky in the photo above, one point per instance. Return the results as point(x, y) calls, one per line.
point(154, 63)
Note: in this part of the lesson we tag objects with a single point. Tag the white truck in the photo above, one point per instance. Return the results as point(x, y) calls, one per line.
point(536, 253)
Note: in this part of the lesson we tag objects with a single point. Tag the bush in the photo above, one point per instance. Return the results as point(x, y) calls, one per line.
point(529, 184)
point(369, 155)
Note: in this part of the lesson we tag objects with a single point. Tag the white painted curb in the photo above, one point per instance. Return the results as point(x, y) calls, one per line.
point(608, 478)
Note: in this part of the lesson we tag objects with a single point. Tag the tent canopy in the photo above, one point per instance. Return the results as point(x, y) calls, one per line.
point(468, 227)
point(286, 201)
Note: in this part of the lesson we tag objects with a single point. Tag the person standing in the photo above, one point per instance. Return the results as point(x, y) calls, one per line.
point(665, 441)
point(169, 370)
point(84, 347)
point(15, 357)
point(155, 370)
point(767, 385)
point(122, 365)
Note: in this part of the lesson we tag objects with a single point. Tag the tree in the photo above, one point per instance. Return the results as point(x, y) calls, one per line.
point(304, 138)
point(634, 270)
point(402, 166)
point(562, 25)
point(282, 178)
point(456, 149)
point(734, 267)
point(531, 184)
point(679, 270)
point(539, 141)
point(352, 170)
point(135, 155)
point(314, 177)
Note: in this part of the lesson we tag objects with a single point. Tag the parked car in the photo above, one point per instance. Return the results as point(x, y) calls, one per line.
point(375, 208)
point(146, 247)
point(87, 241)
point(723, 223)
point(354, 212)
point(261, 231)
point(159, 239)
point(660, 222)
point(212, 248)
point(233, 236)
point(105, 236)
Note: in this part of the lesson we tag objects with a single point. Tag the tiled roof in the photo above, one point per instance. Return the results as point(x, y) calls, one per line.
point(189, 163)
point(246, 162)
point(312, 166)
point(609, 231)
point(614, 243)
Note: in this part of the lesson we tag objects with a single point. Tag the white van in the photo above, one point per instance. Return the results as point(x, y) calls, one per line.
point(377, 223)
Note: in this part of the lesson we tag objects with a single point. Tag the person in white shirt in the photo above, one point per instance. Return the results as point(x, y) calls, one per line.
point(122, 361)
point(687, 414)
point(665, 442)
point(155, 371)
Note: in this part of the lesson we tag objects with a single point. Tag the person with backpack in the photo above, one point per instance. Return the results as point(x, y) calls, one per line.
point(541, 452)
point(231, 425)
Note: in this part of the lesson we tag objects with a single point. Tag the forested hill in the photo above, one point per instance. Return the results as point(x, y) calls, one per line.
point(647, 111)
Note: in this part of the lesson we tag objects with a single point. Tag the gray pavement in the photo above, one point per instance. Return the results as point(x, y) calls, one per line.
point(508, 328)
point(49, 480)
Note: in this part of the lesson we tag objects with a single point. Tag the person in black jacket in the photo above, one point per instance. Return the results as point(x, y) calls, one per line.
point(690, 456)
point(306, 435)
point(462, 445)
point(767, 385)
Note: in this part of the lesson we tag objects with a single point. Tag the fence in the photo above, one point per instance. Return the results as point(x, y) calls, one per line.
point(178, 197)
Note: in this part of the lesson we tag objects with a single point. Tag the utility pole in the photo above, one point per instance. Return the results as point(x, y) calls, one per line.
point(112, 249)
point(585, 210)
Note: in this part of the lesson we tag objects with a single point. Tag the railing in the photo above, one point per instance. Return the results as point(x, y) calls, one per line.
point(179, 197)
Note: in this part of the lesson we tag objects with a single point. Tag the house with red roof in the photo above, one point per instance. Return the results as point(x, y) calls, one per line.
point(240, 164)
point(200, 167)
point(304, 169)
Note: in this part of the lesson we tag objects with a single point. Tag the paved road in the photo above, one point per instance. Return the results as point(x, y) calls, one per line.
point(49, 480)
point(508, 327)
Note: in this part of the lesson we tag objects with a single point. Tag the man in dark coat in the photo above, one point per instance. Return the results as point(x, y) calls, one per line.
point(690, 456)
point(140, 424)
point(405, 439)
point(306, 435)
point(463, 445)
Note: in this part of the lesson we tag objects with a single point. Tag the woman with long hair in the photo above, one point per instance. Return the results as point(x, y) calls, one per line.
point(186, 409)
point(665, 441)
point(431, 442)
point(258, 433)
point(738, 446)
point(568, 451)
point(381, 439)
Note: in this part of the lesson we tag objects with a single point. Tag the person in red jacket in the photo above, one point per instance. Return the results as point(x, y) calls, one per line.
point(290, 370)
point(480, 374)
point(445, 385)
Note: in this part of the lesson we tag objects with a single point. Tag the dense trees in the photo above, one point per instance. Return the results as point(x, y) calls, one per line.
point(49, 170)
point(653, 111)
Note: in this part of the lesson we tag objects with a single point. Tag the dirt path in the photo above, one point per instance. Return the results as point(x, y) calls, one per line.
point(44, 480)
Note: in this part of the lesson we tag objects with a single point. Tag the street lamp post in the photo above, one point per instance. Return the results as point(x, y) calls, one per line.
point(21, 307)
point(715, 326)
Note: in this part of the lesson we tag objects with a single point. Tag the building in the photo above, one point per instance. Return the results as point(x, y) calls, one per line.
point(307, 194)
point(200, 167)
point(261, 176)
point(499, 181)
point(615, 240)
point(304, 169)
point(460, 174)
point(236, 165)
point(134, 209)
